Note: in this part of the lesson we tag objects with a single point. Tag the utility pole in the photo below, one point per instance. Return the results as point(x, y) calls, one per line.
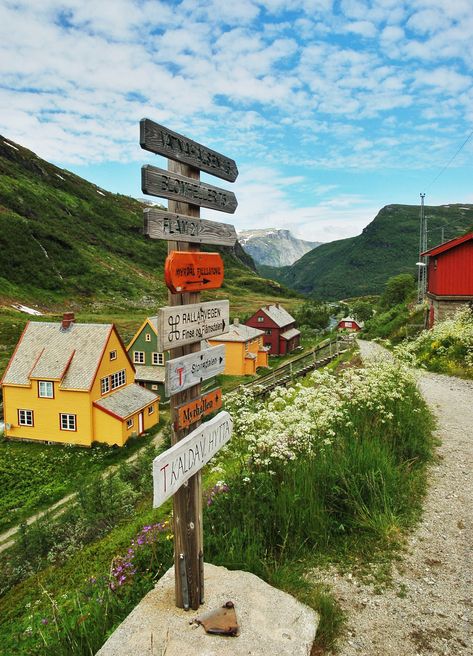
point(422, 264)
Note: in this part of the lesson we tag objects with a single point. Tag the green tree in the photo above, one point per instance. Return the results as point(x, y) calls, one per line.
point(313, 314)
point(362, 310)
point(398, 289)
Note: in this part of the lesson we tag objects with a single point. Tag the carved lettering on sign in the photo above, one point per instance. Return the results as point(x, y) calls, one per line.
point(185, 324)
point(179, 227)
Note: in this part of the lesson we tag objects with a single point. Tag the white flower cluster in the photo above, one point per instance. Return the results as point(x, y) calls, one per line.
point(306, 418)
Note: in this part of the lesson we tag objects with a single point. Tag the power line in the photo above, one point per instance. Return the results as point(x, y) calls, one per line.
point(451, 159)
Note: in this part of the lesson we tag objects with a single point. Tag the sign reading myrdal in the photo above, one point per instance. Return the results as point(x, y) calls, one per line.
point(176, 465)
point(163, 141)
point(179, 325)
point(194, 368)
point(193, 272)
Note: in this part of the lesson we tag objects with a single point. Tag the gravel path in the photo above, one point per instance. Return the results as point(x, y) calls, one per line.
point(428, 610)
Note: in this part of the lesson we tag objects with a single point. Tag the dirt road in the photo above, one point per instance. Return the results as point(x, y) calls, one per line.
point(428, 610)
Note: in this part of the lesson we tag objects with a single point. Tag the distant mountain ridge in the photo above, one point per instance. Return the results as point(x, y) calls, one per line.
point(361, 265)
point(273, 246)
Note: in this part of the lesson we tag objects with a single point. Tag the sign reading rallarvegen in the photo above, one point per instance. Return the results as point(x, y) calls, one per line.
point(176, 465)
point(179, 325)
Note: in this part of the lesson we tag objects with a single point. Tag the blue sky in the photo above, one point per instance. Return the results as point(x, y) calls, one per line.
point(331, 108)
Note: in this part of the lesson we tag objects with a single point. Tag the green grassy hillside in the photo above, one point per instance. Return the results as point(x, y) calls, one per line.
point(361, 265)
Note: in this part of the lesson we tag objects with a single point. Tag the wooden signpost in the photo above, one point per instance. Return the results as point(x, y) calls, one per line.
point(207, 404)
point(181, 327)
point(158, 182)
point(192, 369)
point(178, 227)
point(188, 272)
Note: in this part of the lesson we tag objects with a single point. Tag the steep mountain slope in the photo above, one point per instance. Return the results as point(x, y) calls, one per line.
point(361, 265)
point(274, 247)
point(63, 238)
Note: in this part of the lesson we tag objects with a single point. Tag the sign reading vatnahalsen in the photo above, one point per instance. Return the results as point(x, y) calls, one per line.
point(179, 325)
point(176, 465)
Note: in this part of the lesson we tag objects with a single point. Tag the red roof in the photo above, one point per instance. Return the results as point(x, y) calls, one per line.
point(453, 243)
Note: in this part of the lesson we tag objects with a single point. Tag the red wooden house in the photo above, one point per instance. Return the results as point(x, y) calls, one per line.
point(348, 323)
point(449, 277)
point(280, 332)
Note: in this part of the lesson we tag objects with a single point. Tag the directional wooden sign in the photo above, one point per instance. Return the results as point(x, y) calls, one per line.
point(192, 369)
point(186, 324)
point(179, 227)
point(186, 271)
point(159, 182)
point(176, 465)
point(189, 413)
point(158, 139)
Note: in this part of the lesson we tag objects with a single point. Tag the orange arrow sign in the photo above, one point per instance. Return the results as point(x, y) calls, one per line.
point(191, 412)
point(193, 272)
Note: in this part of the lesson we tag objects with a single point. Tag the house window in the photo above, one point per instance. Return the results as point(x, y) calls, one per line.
point(68, 422)
point(118, 379)
point(113, 355)
point(138, 357)
point(105, 385)
point(148, 337)
point(268, 331)
point(45, 389)
point(129, 423)
point(154, 387)
point(25, 417)
point(158, 358)
point(260, 319)
point(151, 409)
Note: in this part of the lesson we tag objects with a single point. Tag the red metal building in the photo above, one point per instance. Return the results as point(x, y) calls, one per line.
point(280, 332)
point(449, 277)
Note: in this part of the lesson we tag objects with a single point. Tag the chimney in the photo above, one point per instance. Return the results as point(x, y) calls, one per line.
point(277, 305)
point(236, 322)
point(68, 318)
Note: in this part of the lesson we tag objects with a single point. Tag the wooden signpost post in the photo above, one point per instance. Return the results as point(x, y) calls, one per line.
point(188, 272)
point(181, 327)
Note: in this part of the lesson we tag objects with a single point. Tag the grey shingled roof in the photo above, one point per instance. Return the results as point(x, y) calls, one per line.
point(238, 333)
point(45, 349)
point(278, 314)
point(289, 334)
point(127, 400)
point(150, 374)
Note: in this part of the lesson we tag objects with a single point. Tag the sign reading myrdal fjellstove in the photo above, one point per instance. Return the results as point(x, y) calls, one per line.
point(193, 272)
point(189, 413)
point(179, 227)
point(194, 368)
point(176, 465)
point(186, 324)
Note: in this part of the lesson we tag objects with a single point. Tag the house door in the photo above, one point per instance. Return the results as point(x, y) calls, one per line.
point(140, 423)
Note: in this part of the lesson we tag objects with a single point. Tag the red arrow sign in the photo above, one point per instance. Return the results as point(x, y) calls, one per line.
point(191, 412)
point(193, 272)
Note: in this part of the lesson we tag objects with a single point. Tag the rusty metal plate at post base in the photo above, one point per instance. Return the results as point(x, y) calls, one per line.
point(222, 621)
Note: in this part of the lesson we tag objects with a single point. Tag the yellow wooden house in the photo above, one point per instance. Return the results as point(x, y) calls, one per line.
point(74, 383)
point(244, 349)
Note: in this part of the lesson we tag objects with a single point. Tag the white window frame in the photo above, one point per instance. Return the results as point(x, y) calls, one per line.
point(260, 319)
point(47, 385)
point(118, 379)
point(67, 421)
point(150, 409)
point(25, 417)
point(138, 357)
point(157, 358)
point(147, 337)
point(113, 355)
point(129, 423)
point(105, 385)
point(154, 387)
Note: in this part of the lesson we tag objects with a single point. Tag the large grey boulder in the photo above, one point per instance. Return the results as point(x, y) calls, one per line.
point(272, 623)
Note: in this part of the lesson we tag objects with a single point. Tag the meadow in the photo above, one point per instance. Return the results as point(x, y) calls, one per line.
point(329, 470)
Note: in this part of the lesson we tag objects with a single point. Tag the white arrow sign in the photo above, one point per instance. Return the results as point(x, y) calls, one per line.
point(185, 324)
point(176, 465)
point(189, 370)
